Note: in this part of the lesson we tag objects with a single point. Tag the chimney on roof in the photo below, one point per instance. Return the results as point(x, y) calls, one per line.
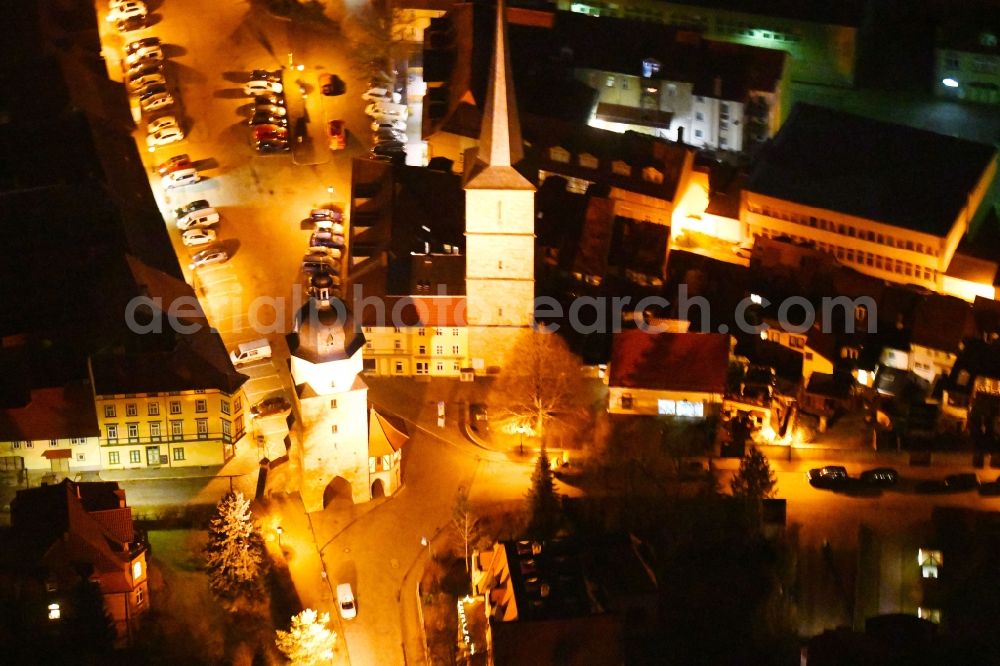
point(717, 87)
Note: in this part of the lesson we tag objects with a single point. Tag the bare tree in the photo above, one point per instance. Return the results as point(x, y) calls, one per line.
point(541, 382)
point(464, 522)
point(378, 36)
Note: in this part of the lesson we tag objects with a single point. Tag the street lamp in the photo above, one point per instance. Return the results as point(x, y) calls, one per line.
point(520, 432)
point(279, 531)
point(329, 190)
point(424, 541)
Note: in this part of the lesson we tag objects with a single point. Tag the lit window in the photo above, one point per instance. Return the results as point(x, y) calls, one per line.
point(929, 561)
point(610, 81)
point(179, 453)
point(201, 406)
point(54, 612)
point(109, 411)
point(137, 569)
point(686, 408)
point(113, 458)
point(666, 407)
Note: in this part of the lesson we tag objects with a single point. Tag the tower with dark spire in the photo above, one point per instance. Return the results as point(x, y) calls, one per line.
point(499, 218)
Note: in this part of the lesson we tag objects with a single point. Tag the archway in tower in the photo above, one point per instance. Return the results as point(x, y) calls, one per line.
point(378, 489)
point(338, 491)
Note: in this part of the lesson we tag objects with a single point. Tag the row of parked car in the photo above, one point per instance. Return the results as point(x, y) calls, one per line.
point(146, 80)
point(835, 477)
point(128, 15)
point(196, 221)
point(268, 113)
point(326, 242)
point(388, 121)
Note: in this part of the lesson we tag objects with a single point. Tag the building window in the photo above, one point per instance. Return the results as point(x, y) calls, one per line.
point(238, 404)
point(666, 407)
point(113, 458)
point(440, 367)
point(109, 411)
point(112, 432)
point(176, 430)
point(397, 344)
point(135, 456)
point(610, 81)
point(626, 401)
point(200, 406)
point(130, 409)
point(226, 429)
point(698, 115)
point(224, 406)
point(422, 349)
point(202, 426)
point(334, 428)
point(686, 408)
point(421, 332)
point(621, 168)
point(697, 133)
point(154, 431)
point(421, 368)
point(179, 453)
point(175, 407)
point(133, 431)
point(153, 409)
point(399, 367)
point(454, 349)
point(454, 332)
point(439, 349)
point(333, 404)
point(53, 442)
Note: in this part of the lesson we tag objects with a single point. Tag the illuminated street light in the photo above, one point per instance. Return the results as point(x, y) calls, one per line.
point(54, 612)
point(424, 541)
point(329, 190)
point(279, 531)
point(949, 82)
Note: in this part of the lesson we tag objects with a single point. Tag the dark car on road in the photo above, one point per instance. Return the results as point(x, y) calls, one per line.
point(479, 417)
point(932, 487)
point(990, 488)
point(269, 406)
point(830, 476)
point(880, 476)
point(962, 482)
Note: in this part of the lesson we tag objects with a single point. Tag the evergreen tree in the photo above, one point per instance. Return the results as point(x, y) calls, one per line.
point(308, 641)
point(543, 500)
point(235, 555)
point(90, 625)
point(754, 480)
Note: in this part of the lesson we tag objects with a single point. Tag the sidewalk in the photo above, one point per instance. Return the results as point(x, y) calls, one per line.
point(244, 462)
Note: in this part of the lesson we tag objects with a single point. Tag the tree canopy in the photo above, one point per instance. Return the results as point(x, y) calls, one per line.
point(754, 480)
point(308, 642)
point(544, 507)
point(235, 554)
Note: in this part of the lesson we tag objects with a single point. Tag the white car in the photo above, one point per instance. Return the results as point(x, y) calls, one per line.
point(198, 219)
point(382, 112)
point(156, 102)
point(207, 257)
point(255, 88)
point(152, 54)
point(140, 47)
point(331, 226)
point(146, 78)
point(389, 125)
point(126, 10)
point(162, 122)
point(165, 136)
point(381, 95)
point(345, 602)
point(195, 237)
point(180, 178)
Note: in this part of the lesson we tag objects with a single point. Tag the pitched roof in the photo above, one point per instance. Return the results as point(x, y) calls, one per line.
point(322, 334)
point(696, 362)
point(875, 170)
point(384, 436)
point(941, 322)
point(415, 311)
point(52, 413)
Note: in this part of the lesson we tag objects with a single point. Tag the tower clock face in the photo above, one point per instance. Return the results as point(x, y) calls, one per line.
point(330, 343)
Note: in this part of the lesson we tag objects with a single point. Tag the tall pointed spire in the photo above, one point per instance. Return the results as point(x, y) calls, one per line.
point(500, 137)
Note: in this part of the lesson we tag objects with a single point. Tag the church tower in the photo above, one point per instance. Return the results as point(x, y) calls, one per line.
point(499, 221)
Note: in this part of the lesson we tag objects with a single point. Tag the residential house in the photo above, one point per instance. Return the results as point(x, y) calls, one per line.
point(564, 600)
point(974, 377)
point(668, 374)
point(71, 531)
point(879, 200)
point(819, 37)
point(967, 56)
point(940, 325)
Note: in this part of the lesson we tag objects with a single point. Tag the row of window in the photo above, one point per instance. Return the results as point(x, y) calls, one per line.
point(176, 407)
point(981, 64)
point(421, 349)
point(420, 331)
point(860, 258)
point(844, 230)
point(135, 456)
point(423, 367)
point(156, 430)
point(28, 444)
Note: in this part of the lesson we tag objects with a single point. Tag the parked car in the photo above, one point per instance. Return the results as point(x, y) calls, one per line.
point(250, 352)
point(196, 237)
point(329, 225)
point(209, 256)
point(276, 110)
point(131, 23)
point(180, 178)
point(155, 101)
point(932, 487)
point(150, 55)
point(254, 88)
point(263, 132)
point(323, 238)
point(962, 482)
point(268, 406)
point(198, 204)
point(165, 136)
point(479, 417)
point(329, 212)
point(382, 112)
point(121, 11)
point(140, 47)
point(390, 135)
point(314, 262)
point(265, 118)
point(345, 602)
point(827, 477)
point(269, 100)
point(880, 476)
point(265, 75)
point(337, 131)
point(331, 85)
point(161, 123)
point(391, 148)
point(148, 75)
point(376, 94)
point(389, 124)
point(204, 217)
point(271, 146)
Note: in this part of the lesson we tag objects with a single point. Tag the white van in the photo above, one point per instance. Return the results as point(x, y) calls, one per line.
point(180, 178)
point(251, 352)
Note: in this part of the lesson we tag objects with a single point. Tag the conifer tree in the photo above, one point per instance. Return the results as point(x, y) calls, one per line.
point(308, 641)
point(235, 555)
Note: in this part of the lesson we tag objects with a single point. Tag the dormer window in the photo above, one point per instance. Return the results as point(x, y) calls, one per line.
point(587, 161)
point(652, 175)
point(621, 168)
point(559, 154)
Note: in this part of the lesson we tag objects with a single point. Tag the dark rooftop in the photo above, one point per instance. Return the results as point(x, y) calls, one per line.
point(894, 174)
point(694, 362)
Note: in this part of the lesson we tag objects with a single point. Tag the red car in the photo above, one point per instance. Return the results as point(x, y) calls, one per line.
point(337, 131)
point(175, 163)
point(265, 132)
